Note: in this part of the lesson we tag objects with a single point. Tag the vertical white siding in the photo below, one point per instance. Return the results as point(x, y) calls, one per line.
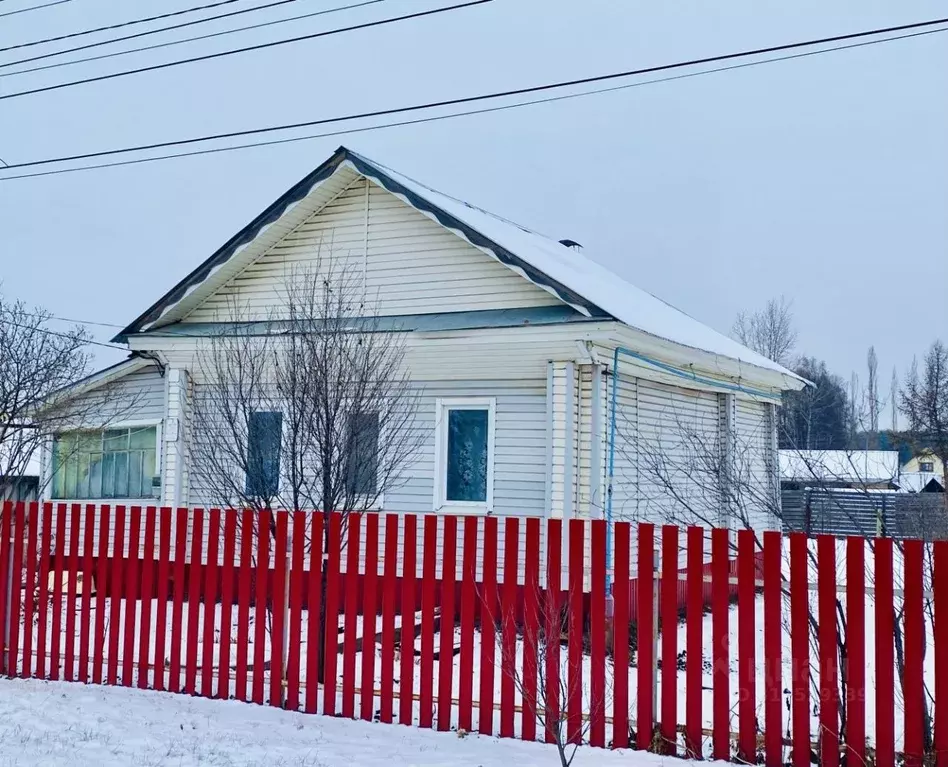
point(754, 460)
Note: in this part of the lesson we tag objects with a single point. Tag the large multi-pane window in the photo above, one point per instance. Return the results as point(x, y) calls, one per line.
point(109, 463)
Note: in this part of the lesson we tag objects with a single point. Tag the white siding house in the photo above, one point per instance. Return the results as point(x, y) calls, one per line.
point(585, 380)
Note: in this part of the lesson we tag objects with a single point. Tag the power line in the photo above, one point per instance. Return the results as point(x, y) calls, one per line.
point(259, 46)
point(177, 42)
point(85, 322)
point(117, 26)
point(430, 105)
point(68, 337)
point(34, 8)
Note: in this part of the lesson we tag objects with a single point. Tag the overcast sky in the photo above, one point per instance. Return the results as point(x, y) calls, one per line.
point(824, 178)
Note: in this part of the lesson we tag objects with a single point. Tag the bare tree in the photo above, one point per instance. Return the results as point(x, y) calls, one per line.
point(894, 400)
point(924, 402)
point(768, 331)
point(872, 389)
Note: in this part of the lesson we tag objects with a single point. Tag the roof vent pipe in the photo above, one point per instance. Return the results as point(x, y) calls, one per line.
point(571, 244)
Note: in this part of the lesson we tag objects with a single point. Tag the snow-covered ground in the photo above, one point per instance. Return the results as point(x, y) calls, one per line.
point(57, 723)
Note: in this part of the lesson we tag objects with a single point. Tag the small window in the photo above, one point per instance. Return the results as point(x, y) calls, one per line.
point(264, 436)
point(927, 467)
point(109, 463)
point(465, 443)
point(362, 455)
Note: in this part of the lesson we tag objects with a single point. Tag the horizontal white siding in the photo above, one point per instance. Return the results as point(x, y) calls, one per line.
point(138, 396)
point(411, 264)
point(753, 462)
point(625, 479)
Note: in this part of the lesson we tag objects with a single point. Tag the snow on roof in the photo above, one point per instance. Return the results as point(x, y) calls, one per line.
point(867, 466)
point(916, 481)
point(573, 268)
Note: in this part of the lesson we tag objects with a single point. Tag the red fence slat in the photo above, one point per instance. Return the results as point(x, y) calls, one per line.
point(209, 602)
point(446, 646)
point(553, 627)
point(116, 594)
point(488, 617)
point(885, 653)
point(668, 594)
point(354, 529)
point(85, 612)
point(194, 602)
point(369, 617)
point(468, 607)
point(389, 592)
point(720, 644)
point(227, 602)
point(800, 648)
point(245, 576)
point(574, 647)
point(332, 575)
point(72, 576)
point(773, 626)
point(597, 635)
point(297, 576)
point(42, 602)
point(261, 534)
point(693, 641)
point(940, 576)
point(131, 595)
point(829, 691)
point(177, 599)
point(101, 588)
point(29, 603)
point(645, 716)
point(6, 524)
point(914, 681)
point(531, 628)
point(856, 651)
point(148, 592)
point(162, 592)
point(278, 600)
point(620, 636)
point(508, 627)
point(16, 589)
point(313, 659)
point(426, 680)
point(746, 650)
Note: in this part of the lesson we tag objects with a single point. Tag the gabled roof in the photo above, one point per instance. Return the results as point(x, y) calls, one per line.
point(567, 273)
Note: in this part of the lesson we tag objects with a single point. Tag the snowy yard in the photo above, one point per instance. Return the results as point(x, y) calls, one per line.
point(57, 723)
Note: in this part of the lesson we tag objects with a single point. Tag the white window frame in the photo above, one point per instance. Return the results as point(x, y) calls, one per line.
point(443, 406)
point(47, 459)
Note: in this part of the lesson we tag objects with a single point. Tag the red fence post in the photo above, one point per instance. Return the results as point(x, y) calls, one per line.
point(508, 626)
point(389, 591)
point(227, 602)
point(488, 613)
point(574, 647)
point(262, 535)
point(354, 529)
point(330, 657)
point(131, 595)
point(913, 685)
point(885, 654)
point(162, 591)
point(88, 526)
point(645, 717)
point(6, 524)
point(244, 587)
point(16, 589)
point(72, 575)
point(856, 651)
point(116, 594)
point(800, 647)
point(210, 602)
point(773, 628)
point(597, 635)
point(101, 589)
point(194, 602)
point(620, 636)
point(553, 627)
point(829, 691)
point(720, 644)
point(468, 607)
point(746, 650)
point(694, 651)
point(42, 602)
point(148, 593)
point(668, 590)
point(29, 606)
point(369, 616)
point(446, 647)
point(177, 599)
point(531, 628)
point(940, 576)
point(426, 675)
point(278, 600)
point(313, 605)
point(297, 575)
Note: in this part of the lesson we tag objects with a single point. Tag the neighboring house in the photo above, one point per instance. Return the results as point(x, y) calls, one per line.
point(855, 469)
point(923, 473)
point(499, 321)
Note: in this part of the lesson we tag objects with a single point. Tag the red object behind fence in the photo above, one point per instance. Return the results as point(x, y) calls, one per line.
point(528, 601)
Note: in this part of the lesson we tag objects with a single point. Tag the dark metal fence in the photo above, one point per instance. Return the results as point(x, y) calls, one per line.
point(865, 513)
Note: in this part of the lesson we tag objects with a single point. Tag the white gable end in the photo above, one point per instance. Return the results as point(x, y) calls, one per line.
point(411, 264)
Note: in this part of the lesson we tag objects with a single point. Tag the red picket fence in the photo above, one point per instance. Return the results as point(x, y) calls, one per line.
point(496, 625)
